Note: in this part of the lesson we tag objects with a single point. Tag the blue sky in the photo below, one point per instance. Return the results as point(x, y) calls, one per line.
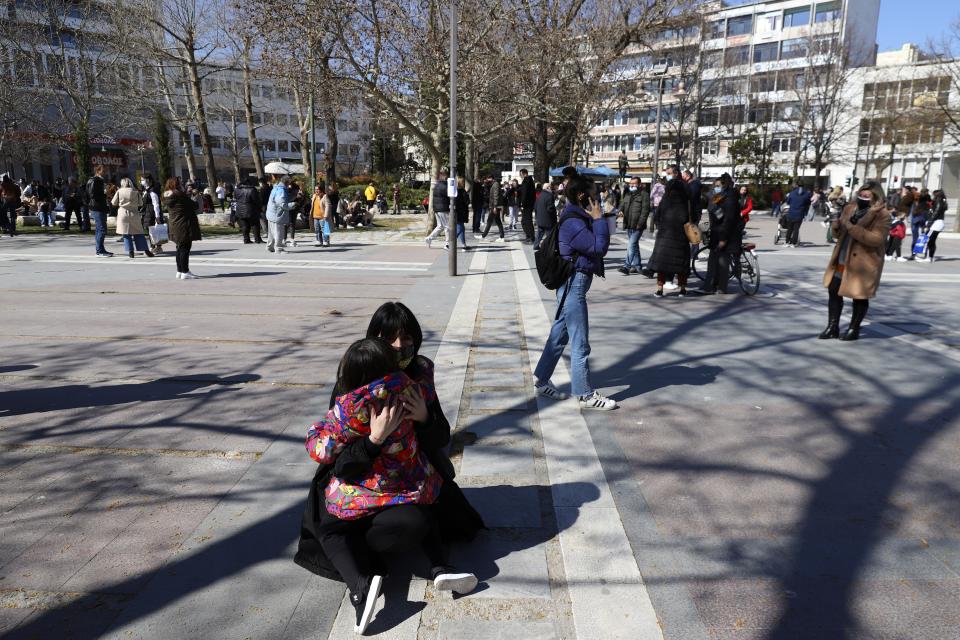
point(903, 21)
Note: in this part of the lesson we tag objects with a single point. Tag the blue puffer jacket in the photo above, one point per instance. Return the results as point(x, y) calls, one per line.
point(579, 235)
point(799, 203)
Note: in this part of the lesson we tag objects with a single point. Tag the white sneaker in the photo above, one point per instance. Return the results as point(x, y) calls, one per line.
point(597, 401)
point(317, 243)
point(179, 275)
point(887, 258)
point(429, 242)
point(281, 250)
point(477, 236)
point(499, 240)
point(670, 286)
point(547, 390)
point(457, 582)
point(902, 259)
point(188, 276)
point(927, 259)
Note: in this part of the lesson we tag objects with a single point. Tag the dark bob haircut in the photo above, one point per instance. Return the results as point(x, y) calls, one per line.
point(392, 320)
point(365, 361)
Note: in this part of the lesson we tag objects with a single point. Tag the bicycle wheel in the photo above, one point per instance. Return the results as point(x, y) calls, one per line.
point(749, 273)
point(700, 261)
point(778, 237)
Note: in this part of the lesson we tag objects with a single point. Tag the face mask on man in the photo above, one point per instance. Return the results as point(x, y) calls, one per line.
point(633, 187)
point(718, 189)
point(669, 177)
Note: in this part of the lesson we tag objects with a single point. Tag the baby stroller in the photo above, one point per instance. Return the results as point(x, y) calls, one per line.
point(783, 225)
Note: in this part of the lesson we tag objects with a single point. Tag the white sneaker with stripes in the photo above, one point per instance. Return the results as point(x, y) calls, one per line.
point(597, 401)
point(547, 390)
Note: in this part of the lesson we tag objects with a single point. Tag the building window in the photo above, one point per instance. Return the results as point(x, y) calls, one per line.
point(196, 140)
point(788, 111)
point(283, 146)
point(827, 12)
point(709, 117)
point(268, 145)
point(791, 49)
point(739, 26)
point(294, 146)
point(768, 23)
point(620, 118)
point(783, 145)
point(266, 91)
point(765, 52)
point(760, 113)
point(715, 29)
point(763, 82)
point(732, 114)
point(798, 17)
point(709, 148)
point(735, 56)
point(712, 59)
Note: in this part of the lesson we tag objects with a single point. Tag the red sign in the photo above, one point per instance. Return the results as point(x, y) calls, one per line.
point(109, 159)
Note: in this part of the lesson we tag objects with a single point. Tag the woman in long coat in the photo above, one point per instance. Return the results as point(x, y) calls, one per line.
point(671, 251)
point(128, 202)
point(184, 224)
point(857, 261)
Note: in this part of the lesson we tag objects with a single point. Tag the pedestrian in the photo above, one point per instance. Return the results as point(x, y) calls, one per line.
point(937, 213)
point(776, 201)
point(837, 200)
point(246, 198)
point(726, 233)
point(128, 202)
point(512, 196)
point(151, 212)
point(478, 199)
point(396, 199)
point(857, 260)
point(496, 202)
point(279, 206)
point(441, 209)
point(671, 250)
point(635, 211)
point(746, 205)
point(222, 196)
point(72, 203)
point(370, 193)
point(462, 205)
point(264, 192)
point(623, 164)
point(816, 200)
point(527, 199)
point(400, 525)
point(584, 239)
point(918, 220)
point(10, 194)
point(184, 224)
point(695, 189)
point(898, 231)
point(545, 209)
point(321, 210)
point(97, 201)
point(798, 204)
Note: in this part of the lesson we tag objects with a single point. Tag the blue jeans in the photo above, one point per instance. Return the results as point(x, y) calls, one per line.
point(47, 218)
point(775, 209)
point(137, 239)
point(572, 326)
point(633, 248)
point(100, 220)
point(461, 234)
point(917, 229)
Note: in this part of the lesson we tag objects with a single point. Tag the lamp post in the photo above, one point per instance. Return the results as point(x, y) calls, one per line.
point(452, 183)
point(656, 140)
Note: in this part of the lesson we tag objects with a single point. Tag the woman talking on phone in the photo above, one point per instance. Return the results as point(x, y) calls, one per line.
point(584, 243)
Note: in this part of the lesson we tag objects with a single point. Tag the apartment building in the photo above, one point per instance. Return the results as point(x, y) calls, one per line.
point(734, 70)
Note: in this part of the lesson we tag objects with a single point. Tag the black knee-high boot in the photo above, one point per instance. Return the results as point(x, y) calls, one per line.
point(859, 313)
point(834, 309)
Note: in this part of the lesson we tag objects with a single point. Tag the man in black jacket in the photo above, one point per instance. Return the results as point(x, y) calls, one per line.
point(97, 201)
point(528, 196)
point(546, 212)
point(248, 204)
point(725, 236)
point(636, 210)
point(71, 203)
point(478, 201)
point(696, 195)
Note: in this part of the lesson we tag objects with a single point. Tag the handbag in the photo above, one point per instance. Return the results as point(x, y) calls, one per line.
point(158, 234)
point(692, 230)
point(920, 246)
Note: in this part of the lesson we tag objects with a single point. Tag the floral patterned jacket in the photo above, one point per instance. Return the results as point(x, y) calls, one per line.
point(401, 474)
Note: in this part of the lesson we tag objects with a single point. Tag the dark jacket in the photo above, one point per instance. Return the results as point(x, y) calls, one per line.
point(149, 215)
point(441, 201)
point(456, 518)
point(463, 206)
point(695, 188)
point(725, 221)
point(546, 210)
point(182, 214)
point(636, 209)
point(671, 250)
point(527, 194)
point(264, 193)
point(580, 237)
point(248, 202)
point(478, 198)
point(495, 196)
point(96, 195)
point(798, 203)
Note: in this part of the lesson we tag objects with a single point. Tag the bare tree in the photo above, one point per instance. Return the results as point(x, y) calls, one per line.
point(947, 53)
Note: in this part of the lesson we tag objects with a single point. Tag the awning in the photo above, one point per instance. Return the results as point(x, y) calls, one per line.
point(587, 172)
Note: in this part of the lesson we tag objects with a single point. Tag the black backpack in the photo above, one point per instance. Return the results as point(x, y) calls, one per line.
point(552, 268)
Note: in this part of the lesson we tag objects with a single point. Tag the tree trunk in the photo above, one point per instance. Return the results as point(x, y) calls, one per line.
point(187, 152)
point(200, 117)
point(248, 112)
point(333, 146)
point(81, 150)
point(303, 128)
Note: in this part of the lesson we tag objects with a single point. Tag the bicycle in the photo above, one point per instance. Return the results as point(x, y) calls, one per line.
point(746, 269)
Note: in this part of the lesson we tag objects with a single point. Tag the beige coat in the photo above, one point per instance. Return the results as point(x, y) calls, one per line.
point(128, 215)
point(861, 276)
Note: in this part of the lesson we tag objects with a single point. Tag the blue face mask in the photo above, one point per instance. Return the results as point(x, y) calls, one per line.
point(669, 177)
point(718, 189)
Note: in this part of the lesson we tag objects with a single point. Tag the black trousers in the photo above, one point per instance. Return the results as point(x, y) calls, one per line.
point(69, 209)
point(353, 545)
point(893, 246)
point(718, 269)
point(835, 304)
point(247, 225)
point(793, 233)
point(477, 216)
point(932, 244)
point(183, 256)
point(493, 216)
point(526, 221)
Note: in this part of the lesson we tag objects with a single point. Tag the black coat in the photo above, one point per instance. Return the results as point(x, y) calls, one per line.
point(696, 199)
point(546, 210)
point(478, 197)
point(725, 221)
point(463, 206)
point(184, 226)
point(457, 519)
point(248, 202)
point(671, 251)
point(441, 201)
point(527, 193)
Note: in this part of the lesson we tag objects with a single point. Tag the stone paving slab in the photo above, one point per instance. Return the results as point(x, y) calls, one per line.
point(507, 378)
point(509, 565)
point(497, 359)
point(482, 399)
point(505, 505)
point(495, 630)
point(502, 425)
point(493, 460)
